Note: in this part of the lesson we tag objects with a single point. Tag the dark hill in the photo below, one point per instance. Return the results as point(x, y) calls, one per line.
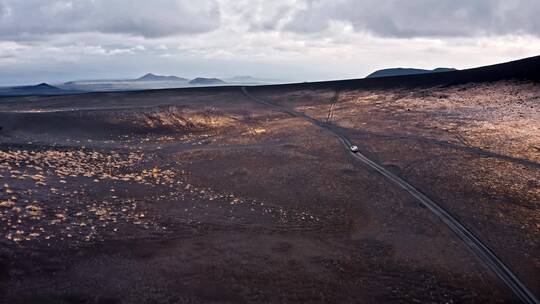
point(406, 71)
point(523, 69)
point(206, 81)
point(153, 77)
point(40, 89)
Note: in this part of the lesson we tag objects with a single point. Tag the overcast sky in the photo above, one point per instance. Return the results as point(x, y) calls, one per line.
point(60, 40)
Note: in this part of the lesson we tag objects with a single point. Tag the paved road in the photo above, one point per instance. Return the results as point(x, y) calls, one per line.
point(484, 253)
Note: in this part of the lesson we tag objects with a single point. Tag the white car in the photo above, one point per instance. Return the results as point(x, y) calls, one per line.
point(354, 149)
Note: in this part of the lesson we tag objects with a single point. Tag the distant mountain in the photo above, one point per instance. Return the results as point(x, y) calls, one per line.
point(40, 89)
point(147, 82)
point(406, 71)
point(153, 77)
point(206, 81)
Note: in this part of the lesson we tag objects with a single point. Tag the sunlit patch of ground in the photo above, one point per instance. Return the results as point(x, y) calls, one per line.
point(475, 148)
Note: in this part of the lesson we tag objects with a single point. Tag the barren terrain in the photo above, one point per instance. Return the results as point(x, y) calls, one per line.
point(475, 148)
point(206, 196)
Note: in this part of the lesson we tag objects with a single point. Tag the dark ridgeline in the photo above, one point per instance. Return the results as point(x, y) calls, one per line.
point(523, 69)
point(406, 71)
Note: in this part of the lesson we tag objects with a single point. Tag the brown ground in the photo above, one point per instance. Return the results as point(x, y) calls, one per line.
point(205, 196)
point(474, 148)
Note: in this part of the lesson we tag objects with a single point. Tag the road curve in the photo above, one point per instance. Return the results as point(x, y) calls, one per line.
point(482, 251)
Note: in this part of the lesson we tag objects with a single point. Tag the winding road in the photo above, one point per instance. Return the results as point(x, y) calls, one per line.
point(482, 251)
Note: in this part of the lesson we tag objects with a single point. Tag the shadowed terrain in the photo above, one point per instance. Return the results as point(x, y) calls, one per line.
point(204, 195)
point(405, 71)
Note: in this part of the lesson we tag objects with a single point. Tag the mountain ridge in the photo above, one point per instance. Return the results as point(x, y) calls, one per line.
point(406, 71)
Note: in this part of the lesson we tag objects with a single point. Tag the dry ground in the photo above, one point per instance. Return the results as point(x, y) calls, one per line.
point(474, 148)
point(208, 197)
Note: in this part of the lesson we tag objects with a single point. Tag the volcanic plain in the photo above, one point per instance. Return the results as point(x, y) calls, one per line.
point(207, 196)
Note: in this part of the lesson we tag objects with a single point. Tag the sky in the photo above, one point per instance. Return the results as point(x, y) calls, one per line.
point(294, 40)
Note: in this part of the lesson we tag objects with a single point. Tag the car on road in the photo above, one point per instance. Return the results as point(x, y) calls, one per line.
point(354, 149)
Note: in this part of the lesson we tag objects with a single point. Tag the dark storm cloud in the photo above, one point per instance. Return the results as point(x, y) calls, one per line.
point(155, 18)
point(422, 18)
point(62, 40)
point(30, 19)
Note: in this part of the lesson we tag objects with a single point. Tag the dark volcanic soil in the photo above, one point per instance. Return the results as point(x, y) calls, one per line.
point(204, 196)
point(472, 148)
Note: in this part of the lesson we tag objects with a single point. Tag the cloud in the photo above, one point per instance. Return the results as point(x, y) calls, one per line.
point(61, 40)
point(421, 18)
point(259, 15)
point(33, 19)
point(156, 18)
